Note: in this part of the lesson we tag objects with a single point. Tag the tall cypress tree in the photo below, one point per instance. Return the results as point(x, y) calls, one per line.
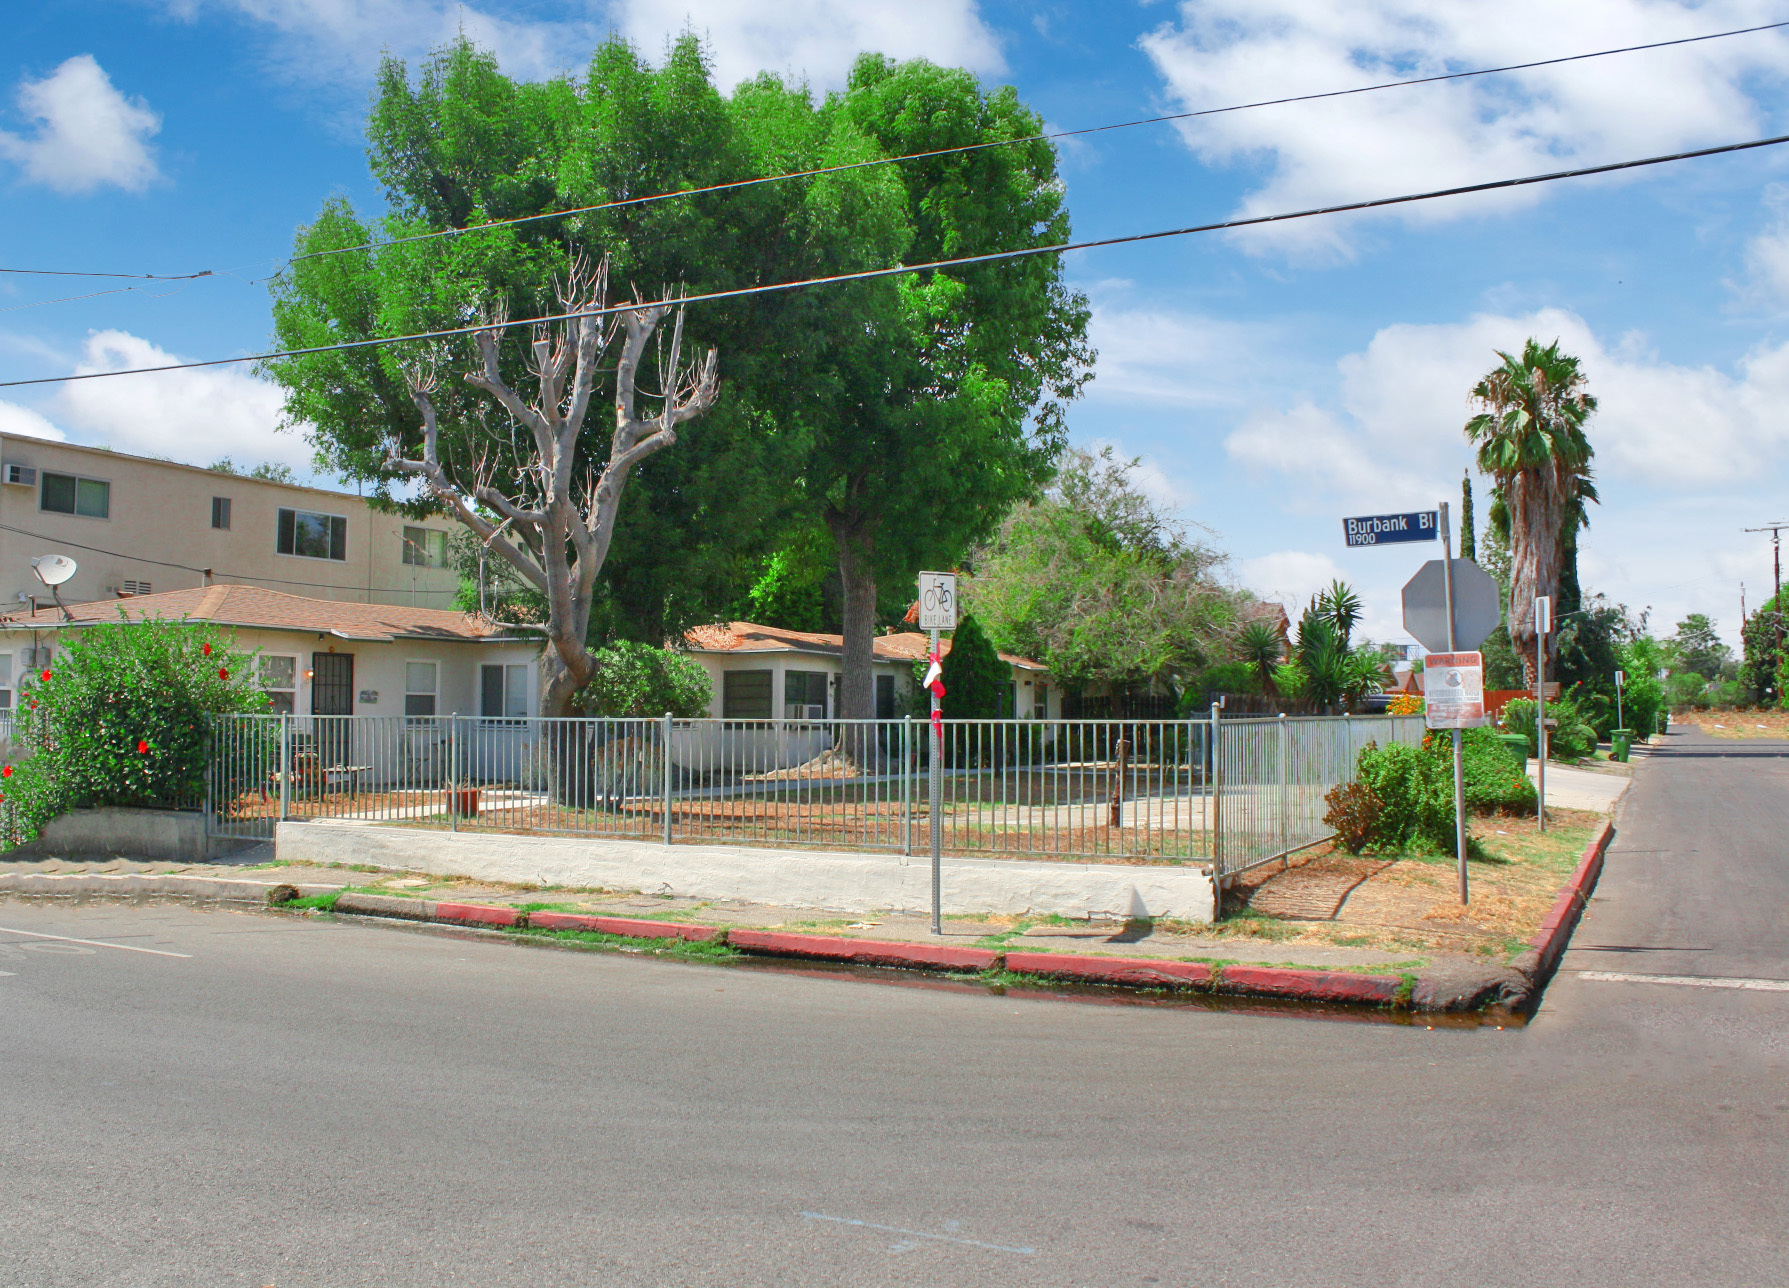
point(1468, 537)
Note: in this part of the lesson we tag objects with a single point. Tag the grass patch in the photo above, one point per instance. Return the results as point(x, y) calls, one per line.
point(312, 902)
point(682, 949)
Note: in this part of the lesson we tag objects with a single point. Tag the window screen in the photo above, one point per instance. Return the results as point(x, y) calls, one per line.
point(745, 695)
point(66, 494)
point(220, 512)
point(312, 535)
point(420, 680)
point(804, 695)
point(503, 691)
point(425, 547)
point(279, 681)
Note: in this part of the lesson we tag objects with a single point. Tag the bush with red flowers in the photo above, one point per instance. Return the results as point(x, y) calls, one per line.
point(121, 718)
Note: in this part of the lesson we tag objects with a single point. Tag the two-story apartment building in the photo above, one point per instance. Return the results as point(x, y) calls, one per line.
point(138, 526)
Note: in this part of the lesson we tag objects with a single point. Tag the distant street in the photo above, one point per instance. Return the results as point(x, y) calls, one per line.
point(311, 1104)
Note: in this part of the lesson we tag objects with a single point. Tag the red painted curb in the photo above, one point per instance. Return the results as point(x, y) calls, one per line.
point(477, 914)
point(1111, 970)
point(1557, 926)
point(628, 926)
point(863, 952)
point(1310, 985)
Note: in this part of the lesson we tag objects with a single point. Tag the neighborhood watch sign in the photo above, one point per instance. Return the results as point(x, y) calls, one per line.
point(1390, 529)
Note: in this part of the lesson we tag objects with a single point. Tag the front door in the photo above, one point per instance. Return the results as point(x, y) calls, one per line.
point(332, 694)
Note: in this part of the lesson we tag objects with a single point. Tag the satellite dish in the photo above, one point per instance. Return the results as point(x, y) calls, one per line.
point(53, 570)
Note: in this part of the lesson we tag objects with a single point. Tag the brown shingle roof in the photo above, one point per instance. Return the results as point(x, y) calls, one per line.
point(255, 606)
point(749, 637)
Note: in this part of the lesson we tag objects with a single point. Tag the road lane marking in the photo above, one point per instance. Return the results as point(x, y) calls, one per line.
point(918, 1234)
point(97, 943)
point(1689, 981)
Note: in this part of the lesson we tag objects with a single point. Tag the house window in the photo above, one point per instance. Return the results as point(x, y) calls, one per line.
point(425, 547)
point(804, 695)
point(220, 512)
point(6, 682)
point(885, 697)
point(279, 681)
point(745, 695)
point(67, 494)
point(421, 685)
point(312, 535)
point(503, 691)
point(1042, 711)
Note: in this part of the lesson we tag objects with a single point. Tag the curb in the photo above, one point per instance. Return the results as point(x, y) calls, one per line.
point(1549, 943)
point(232, 889)
point(628, 926)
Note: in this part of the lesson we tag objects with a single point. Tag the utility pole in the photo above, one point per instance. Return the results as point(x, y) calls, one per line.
point(1776, 568)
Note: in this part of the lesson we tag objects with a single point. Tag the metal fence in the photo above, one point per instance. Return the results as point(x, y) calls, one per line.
point(1271, 777)
point(1154, 790)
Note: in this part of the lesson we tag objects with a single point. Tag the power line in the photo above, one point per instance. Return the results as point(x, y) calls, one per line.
point(932, 265)
point(733, 185)
point(141, 277)
point(736, 184)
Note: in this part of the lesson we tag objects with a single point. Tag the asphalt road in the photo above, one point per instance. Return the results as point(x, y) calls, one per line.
point(298, 1103)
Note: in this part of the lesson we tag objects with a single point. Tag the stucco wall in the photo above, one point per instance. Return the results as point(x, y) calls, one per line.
point(842, 882)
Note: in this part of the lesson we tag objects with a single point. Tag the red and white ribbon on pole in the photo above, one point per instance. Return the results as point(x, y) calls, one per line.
point(935, 682)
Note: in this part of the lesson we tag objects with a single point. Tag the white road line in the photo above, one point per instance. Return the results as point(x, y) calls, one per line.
point(918, 1234)
point(97, 943)
point(1690, 981)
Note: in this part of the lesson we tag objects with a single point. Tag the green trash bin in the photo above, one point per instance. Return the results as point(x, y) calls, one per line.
point(1518, 747)
point(1619, 742)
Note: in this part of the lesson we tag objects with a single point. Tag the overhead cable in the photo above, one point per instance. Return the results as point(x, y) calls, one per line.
point(963, 261)
point(938, 152)
point(1029, 138)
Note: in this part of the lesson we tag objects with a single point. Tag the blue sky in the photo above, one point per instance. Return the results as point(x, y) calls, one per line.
point(1272, 381)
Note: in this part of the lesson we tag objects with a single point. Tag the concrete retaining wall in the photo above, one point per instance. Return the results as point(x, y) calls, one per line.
point(174, 836)
point(836, 881)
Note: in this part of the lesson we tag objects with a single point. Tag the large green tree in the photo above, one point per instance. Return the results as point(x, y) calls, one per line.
point(1531, 441)
point(943, 404)
point(1097, 582)
point(460, 145)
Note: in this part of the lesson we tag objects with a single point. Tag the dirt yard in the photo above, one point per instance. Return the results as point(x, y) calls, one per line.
point(1738, 724)
point(1411, 902)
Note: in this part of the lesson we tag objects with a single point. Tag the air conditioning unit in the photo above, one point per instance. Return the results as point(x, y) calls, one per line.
point(816, 711)
point(23, 475)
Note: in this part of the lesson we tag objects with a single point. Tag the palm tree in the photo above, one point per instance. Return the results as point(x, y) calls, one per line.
point(1342, 606)
point(1259, 645)
point(1530, 437)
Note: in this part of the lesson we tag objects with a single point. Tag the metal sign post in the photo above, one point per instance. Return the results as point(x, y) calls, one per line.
point(1543, 626)
point(937, 612)
point(1447, 560)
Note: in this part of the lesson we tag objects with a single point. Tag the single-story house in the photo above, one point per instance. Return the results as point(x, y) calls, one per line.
point(766, 673)
point(325, 657)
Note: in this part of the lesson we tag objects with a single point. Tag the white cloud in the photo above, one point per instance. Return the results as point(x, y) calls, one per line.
point(15, 419)
point(193, 416)
point(342, 40)
point(1767, 254)
point(1167, 357)
point(816, 39)
point(1396, 436)
point(1290, 576)
point(87, 134)
point(1223, 52)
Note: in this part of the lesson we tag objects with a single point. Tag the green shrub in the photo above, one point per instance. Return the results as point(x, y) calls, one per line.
point(635, 679)
point(1573, 739)
point(121, 718)
point(1414, 788)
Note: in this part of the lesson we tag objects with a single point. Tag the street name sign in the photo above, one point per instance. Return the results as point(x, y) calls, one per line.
point(937, 601)
point(1477, 606)
point(1391, 529)
point(1454, 690)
